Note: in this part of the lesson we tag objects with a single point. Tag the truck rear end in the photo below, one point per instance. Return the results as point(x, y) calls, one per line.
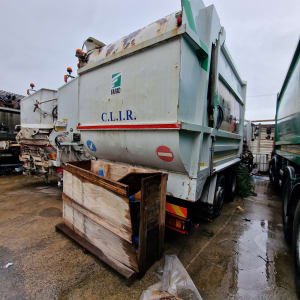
point(168, 97)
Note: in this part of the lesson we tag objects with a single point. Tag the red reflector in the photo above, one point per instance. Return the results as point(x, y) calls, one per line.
point(179, 20)
point(59, 170)
point(176, 210)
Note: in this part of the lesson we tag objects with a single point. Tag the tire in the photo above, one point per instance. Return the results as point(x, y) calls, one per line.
point(219, 197)
point(287, 218)
point(296, 247)
point(230, 188)
point(272, 173)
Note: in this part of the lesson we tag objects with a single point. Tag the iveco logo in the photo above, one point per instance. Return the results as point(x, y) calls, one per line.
point(116, 83)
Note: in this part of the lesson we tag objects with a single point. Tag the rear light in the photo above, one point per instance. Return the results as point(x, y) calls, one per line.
point(179, 20)
point(52, 155)
point(174, 223)
point(59, 170)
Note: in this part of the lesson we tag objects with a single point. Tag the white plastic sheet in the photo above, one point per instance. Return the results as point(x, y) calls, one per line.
point(175, 283)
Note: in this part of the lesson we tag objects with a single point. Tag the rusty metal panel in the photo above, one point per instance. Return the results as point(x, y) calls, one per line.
point(134, 41)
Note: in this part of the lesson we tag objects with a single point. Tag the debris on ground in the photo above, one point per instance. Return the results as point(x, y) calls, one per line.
point(8, 265)
point(239, 208)
point(246, 219)
point(175, 283)
point(265, 260)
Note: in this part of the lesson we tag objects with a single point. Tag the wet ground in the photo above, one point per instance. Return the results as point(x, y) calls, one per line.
point(240, 255)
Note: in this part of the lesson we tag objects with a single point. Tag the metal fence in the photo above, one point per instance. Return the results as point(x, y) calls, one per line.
point(261, 162)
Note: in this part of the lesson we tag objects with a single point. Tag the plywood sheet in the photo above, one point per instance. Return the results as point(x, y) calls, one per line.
point(109, 243)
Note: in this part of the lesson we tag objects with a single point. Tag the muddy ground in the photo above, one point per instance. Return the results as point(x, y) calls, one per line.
point(240, 255)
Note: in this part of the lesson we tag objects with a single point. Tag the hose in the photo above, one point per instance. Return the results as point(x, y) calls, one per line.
point(57, 143)
point(220, 117)
point(54, 112)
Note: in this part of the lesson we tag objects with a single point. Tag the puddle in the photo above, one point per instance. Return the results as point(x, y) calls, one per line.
point(257, 178)
point(256, 261)
point(253, 260)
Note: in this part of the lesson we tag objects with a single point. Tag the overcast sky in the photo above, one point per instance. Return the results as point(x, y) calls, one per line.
point(38, 39)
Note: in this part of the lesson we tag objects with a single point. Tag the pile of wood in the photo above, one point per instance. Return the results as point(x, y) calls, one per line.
point(116, 212)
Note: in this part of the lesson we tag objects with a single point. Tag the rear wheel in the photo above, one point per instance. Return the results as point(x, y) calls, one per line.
point(296, 246)
point(272, 173)
point(219, 195)
point(230, 188)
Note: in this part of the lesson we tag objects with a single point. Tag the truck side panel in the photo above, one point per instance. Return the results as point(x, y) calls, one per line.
point(288, 116)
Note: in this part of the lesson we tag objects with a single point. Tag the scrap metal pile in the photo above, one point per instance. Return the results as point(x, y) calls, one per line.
point(10, 100)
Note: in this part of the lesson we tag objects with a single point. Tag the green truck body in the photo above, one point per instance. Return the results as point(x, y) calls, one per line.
point(284, 169)
point(287, 134)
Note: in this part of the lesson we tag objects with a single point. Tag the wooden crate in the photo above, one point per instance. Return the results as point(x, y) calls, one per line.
point(101, 214)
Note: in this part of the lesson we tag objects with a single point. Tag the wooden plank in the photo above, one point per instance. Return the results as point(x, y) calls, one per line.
point(107, 205)
point(120, 268)
point(116, 171)
point(150, 217)
point(120, 229)
point(162, 213)
point(114, 186)
point(106, 241)
point(113, 171)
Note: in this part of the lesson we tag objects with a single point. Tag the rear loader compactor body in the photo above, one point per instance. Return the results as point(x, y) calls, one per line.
point(167, 97)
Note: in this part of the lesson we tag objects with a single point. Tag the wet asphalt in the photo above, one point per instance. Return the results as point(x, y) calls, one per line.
point(240, 255)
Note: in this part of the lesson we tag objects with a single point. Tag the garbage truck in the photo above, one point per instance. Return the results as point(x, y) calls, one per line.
point(284, 168)
point(48, 135)
point(168, 97)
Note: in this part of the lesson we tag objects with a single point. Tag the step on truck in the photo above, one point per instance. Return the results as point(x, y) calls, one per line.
point(284, 168)
point(168, 97)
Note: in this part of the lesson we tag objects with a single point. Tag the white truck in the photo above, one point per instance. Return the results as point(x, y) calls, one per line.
point(168, 97)
point(48, 135)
